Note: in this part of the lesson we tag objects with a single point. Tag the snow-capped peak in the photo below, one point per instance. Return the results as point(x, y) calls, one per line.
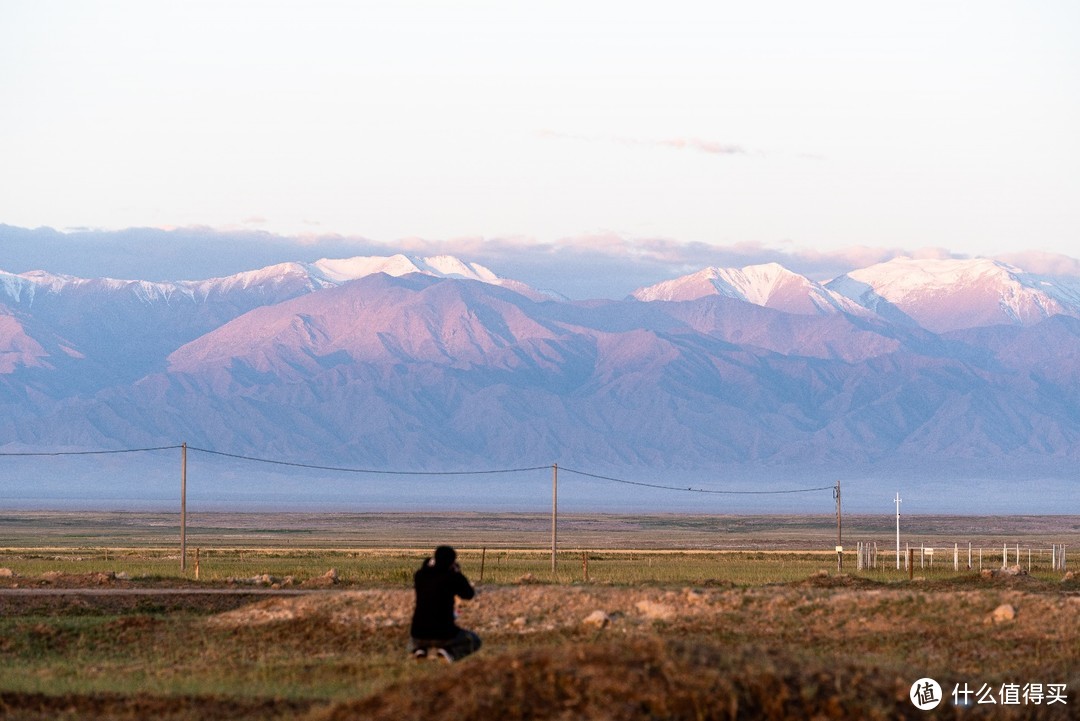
point(948, 294)
point(346, 269)
point(901, 277)
point(282, 278)
point(770, 285)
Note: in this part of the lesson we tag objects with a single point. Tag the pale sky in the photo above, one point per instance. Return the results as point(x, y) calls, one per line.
point(804, 127)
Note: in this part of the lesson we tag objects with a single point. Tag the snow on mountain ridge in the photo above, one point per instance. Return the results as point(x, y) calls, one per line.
point(346, 269)
point(950, 294)
point(768, 285)
point(327, 272)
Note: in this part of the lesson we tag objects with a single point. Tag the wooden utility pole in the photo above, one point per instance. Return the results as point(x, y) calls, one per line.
point(554, 511)
point(839, 541)
point(183, 507)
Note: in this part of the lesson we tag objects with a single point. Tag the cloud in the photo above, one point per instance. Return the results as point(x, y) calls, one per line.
point(611, 265)
point(705, 146)
point(1035, 261)
point(711, 147)
point(595, 265)
point(191, 253)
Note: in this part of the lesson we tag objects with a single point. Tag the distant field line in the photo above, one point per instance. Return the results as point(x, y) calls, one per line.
point(171, 550)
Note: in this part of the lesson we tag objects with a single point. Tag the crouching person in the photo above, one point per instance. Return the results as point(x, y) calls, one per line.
point(434, 632)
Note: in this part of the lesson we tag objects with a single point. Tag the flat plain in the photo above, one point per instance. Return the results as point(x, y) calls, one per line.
point(666, 616)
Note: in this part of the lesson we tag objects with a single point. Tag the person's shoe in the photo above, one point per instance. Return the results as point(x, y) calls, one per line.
point(442, 654)
point(420, 654)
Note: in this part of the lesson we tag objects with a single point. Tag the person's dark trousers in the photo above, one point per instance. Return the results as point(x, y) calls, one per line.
point(460, 646)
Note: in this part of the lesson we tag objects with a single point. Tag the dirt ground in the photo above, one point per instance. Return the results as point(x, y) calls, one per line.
point(828, 647)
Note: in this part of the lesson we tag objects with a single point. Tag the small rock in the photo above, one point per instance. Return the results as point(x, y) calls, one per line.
point(122, 576)
point(596, 619)
point(1004, 612)
point(1068, 576)
point(6, 573)
point(527, 578)
point(651, 609)
point(326, 580)
point(519, 622)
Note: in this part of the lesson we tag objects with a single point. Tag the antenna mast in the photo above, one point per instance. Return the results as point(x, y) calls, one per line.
point(897, 501)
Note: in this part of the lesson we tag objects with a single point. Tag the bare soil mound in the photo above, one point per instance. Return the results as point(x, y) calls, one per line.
point(649, 679)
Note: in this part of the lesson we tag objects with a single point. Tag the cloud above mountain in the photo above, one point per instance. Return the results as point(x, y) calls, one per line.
point(701, 145)
point(605, 264)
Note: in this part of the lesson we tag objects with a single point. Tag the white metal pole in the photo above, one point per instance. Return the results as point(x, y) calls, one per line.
point(554, 512)
point(897, 499)
point(183, 507)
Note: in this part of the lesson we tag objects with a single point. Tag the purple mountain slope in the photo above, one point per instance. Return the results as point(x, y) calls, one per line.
point(427, 374)
point(451, 368)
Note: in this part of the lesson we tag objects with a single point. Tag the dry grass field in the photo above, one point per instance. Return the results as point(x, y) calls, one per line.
point(108, 628)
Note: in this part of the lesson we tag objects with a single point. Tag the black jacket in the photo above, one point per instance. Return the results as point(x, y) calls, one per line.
point(435, 590)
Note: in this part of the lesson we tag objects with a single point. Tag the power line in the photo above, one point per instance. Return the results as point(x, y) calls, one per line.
point(88, 453)
point(691, 490)
point(340, 469)
point(374, 471)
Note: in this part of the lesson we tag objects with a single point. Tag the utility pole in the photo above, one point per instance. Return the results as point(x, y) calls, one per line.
point(183, 507)
point(839, 541)
point(554, 511)
point(897, 500)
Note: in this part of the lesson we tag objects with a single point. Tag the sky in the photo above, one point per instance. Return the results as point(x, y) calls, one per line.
point(546, 138)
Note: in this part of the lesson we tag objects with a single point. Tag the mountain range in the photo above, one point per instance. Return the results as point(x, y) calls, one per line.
point(960, 368)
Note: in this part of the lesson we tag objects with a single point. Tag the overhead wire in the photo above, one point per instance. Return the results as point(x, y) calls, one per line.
point(340, 469)
point(375, 471)
point(691, 489)
point(86, 453)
